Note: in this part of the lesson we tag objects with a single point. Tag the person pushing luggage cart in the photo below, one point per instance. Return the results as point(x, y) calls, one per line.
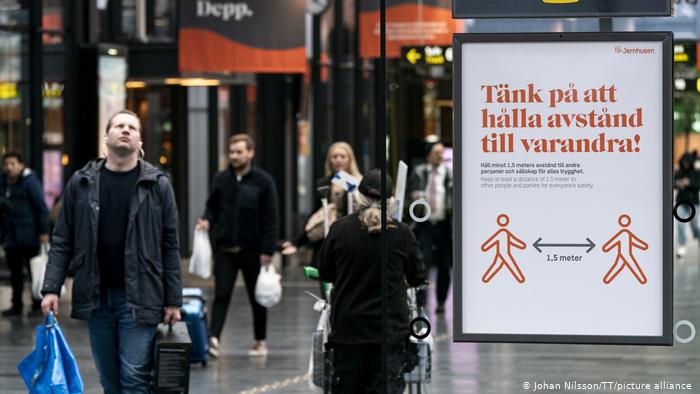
point(350, 259)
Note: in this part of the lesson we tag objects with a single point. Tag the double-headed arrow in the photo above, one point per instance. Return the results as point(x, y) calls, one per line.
point(590, 245)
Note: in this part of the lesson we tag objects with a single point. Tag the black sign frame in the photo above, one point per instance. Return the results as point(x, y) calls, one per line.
point(468, 9)
point(666, 38)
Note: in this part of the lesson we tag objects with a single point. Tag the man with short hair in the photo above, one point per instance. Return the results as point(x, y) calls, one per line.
point(432, 181)
point(119, 226)
point(242, 209)
point(24, 224)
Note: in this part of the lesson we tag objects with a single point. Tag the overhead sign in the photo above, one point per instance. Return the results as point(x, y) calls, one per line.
point(563, 192)
point(408, 22)
point(559, 8)
point(431, 55)
point(262, 36)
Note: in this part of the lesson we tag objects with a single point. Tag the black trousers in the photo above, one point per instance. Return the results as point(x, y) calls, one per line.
point(357, 369)
point(435, 241)
point(226, 269)
point(17, 259)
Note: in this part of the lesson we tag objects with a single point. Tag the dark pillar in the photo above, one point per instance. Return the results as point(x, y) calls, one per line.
point(318, 131)
point(213, 122)
point(341, 84)
point(238, 106)
point(179, 163)
point(36, 81)
point(270, 135)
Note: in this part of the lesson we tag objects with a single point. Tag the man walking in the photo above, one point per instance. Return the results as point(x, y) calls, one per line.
point(432, 181)
point(242, 209)
point(24, 224)
point(127, 274)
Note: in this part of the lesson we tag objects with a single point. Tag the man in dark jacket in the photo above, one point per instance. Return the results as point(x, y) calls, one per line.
point(242, 209)
point(432, 182)
point(24, 224)
point(119, 226)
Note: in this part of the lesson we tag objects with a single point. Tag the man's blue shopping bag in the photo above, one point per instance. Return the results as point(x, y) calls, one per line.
point(51, 368)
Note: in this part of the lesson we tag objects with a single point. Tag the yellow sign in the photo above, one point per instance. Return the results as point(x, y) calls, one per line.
point(8, 90)
point(680, 57)
point(413, 56)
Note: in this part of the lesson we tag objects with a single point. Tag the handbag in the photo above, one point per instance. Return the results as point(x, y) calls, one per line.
point(268, 287)
point(200, 261)
point(314, 226)
point(51, 367)
point(37, 267)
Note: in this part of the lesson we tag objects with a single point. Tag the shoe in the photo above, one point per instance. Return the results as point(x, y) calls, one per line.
point(680, 252)
point(258, 350)
point(35, 313)
point(12, 312)
point(214, 347)
point(440, 309)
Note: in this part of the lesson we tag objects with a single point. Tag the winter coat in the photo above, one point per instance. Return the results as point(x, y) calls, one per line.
point(151, 256)
point(26, 216)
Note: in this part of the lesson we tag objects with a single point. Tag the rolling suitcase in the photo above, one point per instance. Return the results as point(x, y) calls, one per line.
point(194, 314)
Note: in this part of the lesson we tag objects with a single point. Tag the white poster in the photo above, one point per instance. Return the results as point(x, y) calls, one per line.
point(562, 188)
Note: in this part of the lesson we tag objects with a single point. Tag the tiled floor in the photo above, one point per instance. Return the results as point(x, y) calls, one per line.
point(457, 367)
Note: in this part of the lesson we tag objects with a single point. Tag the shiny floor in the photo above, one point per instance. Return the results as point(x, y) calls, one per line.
point(457, 367)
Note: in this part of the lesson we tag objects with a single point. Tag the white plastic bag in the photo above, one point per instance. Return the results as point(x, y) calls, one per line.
point(268, 288)
point(200, 262)
point(37, 266)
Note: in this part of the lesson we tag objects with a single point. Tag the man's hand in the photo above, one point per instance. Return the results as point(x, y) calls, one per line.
point(288, 248)
point(44, 238)
point(265, 260)
point(172, 315)
point(202, 224)
point(49, 303)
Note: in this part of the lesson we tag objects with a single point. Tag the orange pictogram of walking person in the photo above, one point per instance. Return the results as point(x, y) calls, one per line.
point(625, 238)
point(503, 236)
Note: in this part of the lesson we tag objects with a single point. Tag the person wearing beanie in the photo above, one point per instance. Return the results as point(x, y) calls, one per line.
point(350, 258)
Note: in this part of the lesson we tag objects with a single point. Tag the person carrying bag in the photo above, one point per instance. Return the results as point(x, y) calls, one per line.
point(51, 366)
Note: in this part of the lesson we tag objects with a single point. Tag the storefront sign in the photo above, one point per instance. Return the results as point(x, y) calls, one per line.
point(408, 22)
point(559, 8)
point(431, 55)
point(563, 190)
point(242, 36)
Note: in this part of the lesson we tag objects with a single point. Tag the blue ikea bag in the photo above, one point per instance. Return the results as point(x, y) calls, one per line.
point(51, 367)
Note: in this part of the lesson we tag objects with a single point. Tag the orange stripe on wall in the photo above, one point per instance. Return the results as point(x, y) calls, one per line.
point(406, 13)
point(204, 51)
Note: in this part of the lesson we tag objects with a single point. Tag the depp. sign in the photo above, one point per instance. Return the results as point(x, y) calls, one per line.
point(242, 36)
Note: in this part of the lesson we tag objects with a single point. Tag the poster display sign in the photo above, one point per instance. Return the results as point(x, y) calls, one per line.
point(563, 199)
point(559, 8)
point(262, 36)
point(408, 22)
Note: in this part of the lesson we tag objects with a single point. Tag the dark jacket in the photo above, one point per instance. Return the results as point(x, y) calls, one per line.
point(350, 258)
point(28, 216)
point(244, 213)
point(151, 257)
point(687, 171)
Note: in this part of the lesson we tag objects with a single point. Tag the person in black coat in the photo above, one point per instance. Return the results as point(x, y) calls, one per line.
point(687, 181)
point(118, 226)
point(350, 258)
point(24, 225)
point(242, 214)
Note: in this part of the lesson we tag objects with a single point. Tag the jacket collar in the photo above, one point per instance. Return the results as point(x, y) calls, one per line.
point(147, 173)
